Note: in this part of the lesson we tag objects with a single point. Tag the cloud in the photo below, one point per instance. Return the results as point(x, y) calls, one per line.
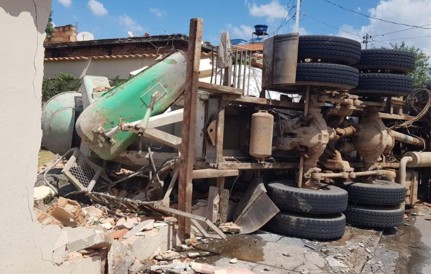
point(157, 12)
point(272, 11)
point(66, 3)
point(130, 24)
point(240, 32)
point(412, 12)
point(97, 8)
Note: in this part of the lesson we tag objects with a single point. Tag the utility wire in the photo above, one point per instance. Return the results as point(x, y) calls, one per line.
point(331, 26)
point(373, 17)
point(405, 38)
point(396, 31)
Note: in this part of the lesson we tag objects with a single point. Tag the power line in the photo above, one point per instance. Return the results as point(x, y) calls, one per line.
point(373, 17)
point(324, 23)
point(405, 38)
point(396, 31)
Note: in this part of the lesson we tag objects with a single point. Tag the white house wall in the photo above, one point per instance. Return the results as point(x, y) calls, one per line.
point(25, 246)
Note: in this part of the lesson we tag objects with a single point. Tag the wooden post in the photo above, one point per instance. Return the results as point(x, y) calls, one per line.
point(187, 158)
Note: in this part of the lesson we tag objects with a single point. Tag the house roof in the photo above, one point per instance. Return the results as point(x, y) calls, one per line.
point(108, 57)
point(131, 47)
point(250, 47)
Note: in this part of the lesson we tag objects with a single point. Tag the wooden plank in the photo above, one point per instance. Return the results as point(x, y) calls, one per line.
point(264, 102)
point(217, 89)
point(405, 117)
point(224, 204)
point(266, 165)
point(220, 132)
point(166, 118)
point(185, 187)
point(214, 173)
point(163, 137)
point(213, 204)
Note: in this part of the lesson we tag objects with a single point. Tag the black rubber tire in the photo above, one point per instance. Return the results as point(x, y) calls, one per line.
point(326, 75)
point(383, 84)
point(327, 48)
point(374, 216)
point(380, 192)
point(386, 59)
point(327, 227)
point(328, 200)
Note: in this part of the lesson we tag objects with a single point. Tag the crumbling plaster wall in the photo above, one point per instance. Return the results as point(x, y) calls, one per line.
point(25, 246)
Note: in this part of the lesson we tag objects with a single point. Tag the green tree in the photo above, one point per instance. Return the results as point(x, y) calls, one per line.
point(422, 71)
point(49, 29)
point(63, 82)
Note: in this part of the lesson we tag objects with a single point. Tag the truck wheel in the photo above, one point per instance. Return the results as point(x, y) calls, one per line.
point(380, 192)
point(328, 48)
point(383, 84)
point(326, 75)
point(386, 59)
point(327, 200)
point(374, 216)
point(325, 227)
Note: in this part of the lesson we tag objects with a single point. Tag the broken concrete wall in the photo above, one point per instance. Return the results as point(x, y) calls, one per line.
point(25, 247)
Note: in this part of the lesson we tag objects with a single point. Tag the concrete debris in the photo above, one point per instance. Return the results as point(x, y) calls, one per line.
point(119, 258)
point(67, 211)
point(118, 234)
point(127, 222)
point(145, 225)
point(230, 228)
point(168, 255)
point(45, 218)
point(84, 238)
point(42, 192)
point(233, 261)
point(193, 254)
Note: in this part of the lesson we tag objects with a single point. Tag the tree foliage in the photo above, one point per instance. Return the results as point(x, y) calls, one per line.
point(49, 29)
point(66, 82)
point(63, 82)
point(422, 71)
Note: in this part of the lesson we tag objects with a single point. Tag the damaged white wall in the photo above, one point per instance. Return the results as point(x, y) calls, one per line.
point(25, 247)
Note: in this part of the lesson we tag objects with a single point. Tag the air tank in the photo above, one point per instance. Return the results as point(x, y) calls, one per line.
point(261, 131)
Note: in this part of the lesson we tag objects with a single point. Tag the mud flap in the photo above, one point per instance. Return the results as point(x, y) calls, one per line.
point(255, 208)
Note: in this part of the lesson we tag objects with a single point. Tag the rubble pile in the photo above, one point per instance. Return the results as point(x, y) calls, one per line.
point(124, 240)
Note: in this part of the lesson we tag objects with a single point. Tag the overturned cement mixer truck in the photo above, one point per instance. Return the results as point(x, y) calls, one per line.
point(345, 140)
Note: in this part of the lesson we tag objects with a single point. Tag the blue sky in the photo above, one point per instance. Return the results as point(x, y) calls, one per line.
point(114, 18)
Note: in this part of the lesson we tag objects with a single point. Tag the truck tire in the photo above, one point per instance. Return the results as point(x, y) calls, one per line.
point(383, 84)
point(369, 216)
point(329, 48)
point(386, 59)
point(326, 75)
point(325, 227)
point(328, 200)
point(380, 192)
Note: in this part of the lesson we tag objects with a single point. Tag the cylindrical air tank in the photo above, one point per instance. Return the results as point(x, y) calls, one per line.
point(261, 131)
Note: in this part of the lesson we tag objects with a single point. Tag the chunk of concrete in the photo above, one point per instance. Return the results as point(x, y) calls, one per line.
point(83, 238)
point(41, 192)
point(67, 211)
point(145, 225)
point(119, 258)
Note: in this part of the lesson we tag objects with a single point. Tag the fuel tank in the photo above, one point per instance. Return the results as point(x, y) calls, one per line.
point(128, 102)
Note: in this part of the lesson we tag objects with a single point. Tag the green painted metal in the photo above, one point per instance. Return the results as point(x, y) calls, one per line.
point(58, 121)
point(128, 102)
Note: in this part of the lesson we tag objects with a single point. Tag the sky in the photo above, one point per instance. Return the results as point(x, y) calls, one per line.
point(388, 22)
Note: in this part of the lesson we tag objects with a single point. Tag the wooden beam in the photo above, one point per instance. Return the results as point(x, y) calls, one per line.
point(391, 116)
point(166, 118)
point(214, 173)
point(163, 137)
point(266, 165)
point(185, 187)
point(264, 102)
point(217, 89)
